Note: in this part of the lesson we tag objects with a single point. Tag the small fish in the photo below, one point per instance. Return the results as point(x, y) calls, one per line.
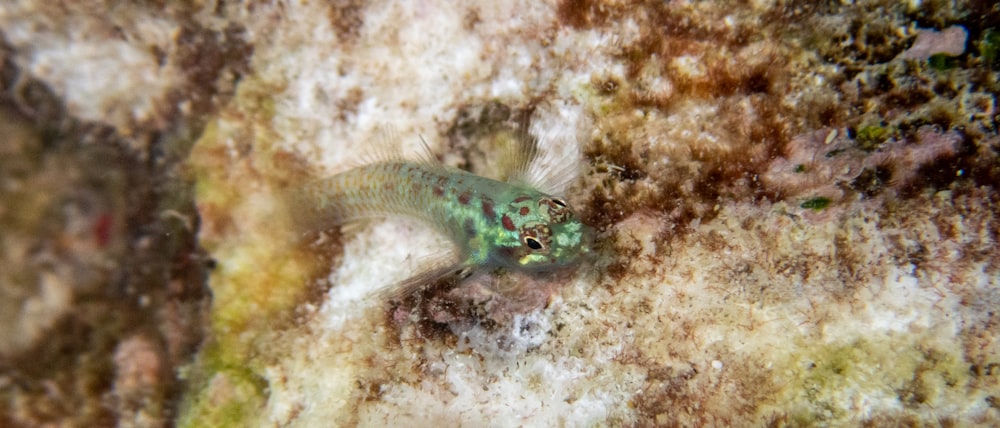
point(493, 224)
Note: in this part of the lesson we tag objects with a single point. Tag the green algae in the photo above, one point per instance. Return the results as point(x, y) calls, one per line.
point(989, 48)
point(817, 203)
point(942, 62)
point(229, 399)
point(871, 137)
point(827, 379)
point(261, 273)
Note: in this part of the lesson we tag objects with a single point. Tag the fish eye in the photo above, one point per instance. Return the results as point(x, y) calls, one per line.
point(532, 243)
point(559, 202)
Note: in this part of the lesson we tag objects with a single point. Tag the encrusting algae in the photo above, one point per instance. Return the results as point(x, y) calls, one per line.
point(796, 206)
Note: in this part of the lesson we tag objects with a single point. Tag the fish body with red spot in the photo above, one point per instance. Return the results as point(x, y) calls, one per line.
point(494, 224)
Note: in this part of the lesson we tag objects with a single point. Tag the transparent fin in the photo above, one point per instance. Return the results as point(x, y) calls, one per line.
point(557, 167)
point(431, 274)
point(518, 150)
point(358, 225)
point(388, 146)
point(426, 155)
point(523, 161)
point(385, 147)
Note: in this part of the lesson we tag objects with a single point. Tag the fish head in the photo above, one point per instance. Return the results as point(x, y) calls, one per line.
point(549, 235)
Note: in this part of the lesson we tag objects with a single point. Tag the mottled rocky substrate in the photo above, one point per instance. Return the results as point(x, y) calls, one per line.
point(794, 205)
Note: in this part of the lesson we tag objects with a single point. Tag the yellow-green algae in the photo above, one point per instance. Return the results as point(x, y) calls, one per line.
point(871, 137)
point(989, 47)
point(826, 382)
point(262, 273)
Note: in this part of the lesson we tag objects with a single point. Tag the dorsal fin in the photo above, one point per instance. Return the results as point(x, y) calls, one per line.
point(388, 147)
point(426, 154)
point(550, 171)
point(517, 154)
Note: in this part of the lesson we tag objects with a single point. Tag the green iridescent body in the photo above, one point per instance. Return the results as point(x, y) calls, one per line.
point(493, 224)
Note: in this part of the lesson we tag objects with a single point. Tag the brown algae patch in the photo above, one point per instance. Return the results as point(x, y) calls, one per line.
point(743, 271)
point(101, 278)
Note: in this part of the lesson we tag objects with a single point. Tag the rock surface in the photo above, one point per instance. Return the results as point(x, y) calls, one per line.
point(795, 213)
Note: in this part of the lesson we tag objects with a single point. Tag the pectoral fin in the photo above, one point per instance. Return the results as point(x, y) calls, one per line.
point(442, 276)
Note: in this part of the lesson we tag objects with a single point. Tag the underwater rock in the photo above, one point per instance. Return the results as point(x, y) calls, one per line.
point(950, 41)
point(796, 221)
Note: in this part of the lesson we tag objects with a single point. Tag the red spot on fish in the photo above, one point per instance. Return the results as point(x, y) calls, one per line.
point(488, 209)
point(522, 199)
point(439, 187)
point(524, 211)
point(464, 198)
point(507, 223)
